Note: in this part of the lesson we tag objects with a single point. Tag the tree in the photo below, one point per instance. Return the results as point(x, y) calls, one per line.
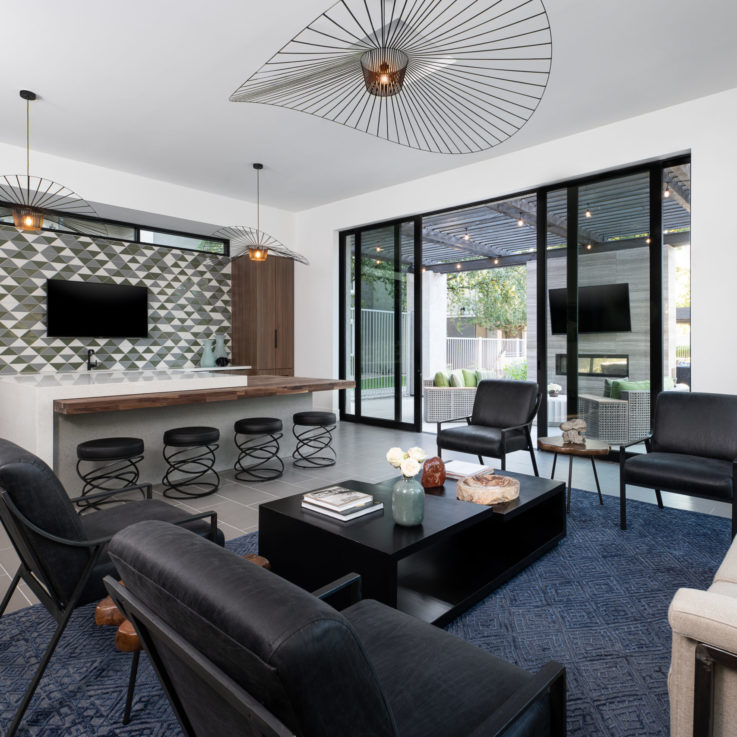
point(495, 299)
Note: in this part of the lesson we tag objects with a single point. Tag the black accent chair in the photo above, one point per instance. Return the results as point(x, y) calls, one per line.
point(502, 416)
point(63, 554)
point(692, 450)
point(242, 651)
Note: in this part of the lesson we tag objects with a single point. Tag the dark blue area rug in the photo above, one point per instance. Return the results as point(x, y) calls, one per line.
point(597, 603)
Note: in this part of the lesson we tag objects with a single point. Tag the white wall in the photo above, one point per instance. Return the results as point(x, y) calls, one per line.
point(125, 190)
point(705, 127)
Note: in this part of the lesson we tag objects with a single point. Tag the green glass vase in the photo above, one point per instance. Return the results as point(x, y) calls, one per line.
point(408, 502)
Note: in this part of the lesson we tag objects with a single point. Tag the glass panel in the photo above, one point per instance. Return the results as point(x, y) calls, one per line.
point(557, 268)
point(677, 276)
point(191, 243)
point(98, 228)
point(349, 278)
point(614, 307)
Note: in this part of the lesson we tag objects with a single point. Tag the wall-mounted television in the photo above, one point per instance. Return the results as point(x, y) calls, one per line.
point(83, 309)
point(604, 308)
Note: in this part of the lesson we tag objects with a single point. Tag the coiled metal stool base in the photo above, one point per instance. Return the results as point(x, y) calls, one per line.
point(314, 447)
point(265, 450)
point(193, 465)
point(117, 474)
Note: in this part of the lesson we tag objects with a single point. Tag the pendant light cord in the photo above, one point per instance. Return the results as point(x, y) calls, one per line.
point(28, 145)
point(258, 202)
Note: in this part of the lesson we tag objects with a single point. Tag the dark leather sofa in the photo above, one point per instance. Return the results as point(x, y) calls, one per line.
point(692, 450)
point(242, 651)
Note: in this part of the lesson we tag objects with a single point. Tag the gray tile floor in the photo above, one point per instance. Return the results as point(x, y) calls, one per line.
point(361, 454)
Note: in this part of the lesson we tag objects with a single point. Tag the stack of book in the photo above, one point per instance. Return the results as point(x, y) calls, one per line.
point(461, 469)
point(340, 503)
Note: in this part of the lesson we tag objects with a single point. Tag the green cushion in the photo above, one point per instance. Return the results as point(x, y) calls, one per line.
point(469, 377)
point(441, 379)
point(607, 387)
point(621, 385)
point(668, 383)
point(456, 378)
point(482, 374)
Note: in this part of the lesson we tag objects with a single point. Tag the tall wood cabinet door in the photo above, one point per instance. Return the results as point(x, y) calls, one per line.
point(266, 275)
point(245, 326)
point(284, 314)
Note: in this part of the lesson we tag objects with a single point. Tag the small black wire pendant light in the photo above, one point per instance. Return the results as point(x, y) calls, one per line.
point(258, 244)
point(31, 196)
point(444, 76)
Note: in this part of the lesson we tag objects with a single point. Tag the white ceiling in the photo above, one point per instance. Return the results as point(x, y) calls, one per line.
point(143, 85)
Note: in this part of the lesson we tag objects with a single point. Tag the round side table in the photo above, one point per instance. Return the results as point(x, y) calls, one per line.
point(590, 449)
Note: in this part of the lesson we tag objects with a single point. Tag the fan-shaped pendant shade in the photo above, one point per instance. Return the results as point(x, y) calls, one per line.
point(445, 76)
point(243, 238)
point(31, 196)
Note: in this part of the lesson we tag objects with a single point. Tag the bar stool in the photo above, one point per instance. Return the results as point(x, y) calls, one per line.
point(190, 452)
point(120, 458)
point(262, 445)
point(314, 445)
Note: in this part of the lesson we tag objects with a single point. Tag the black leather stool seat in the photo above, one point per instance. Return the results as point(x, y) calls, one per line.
point(109, 449)
point(183, 437)
point(314, 417)
point(254, 425)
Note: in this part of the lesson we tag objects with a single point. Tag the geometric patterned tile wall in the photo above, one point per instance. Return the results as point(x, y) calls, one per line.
point(189, 300)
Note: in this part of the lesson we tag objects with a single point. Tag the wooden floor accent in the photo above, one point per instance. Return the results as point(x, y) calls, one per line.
point(258, 386)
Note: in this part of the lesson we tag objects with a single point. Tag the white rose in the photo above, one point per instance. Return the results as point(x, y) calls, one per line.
point(409, 467)
point(395, 456)
point(417, 454)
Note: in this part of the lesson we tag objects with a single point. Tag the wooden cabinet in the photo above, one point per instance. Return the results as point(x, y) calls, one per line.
point(263, 315)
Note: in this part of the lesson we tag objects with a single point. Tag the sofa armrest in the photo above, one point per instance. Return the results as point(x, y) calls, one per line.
point(705, 616)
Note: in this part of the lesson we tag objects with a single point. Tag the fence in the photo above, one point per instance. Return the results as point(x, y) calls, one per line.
point(490, 354)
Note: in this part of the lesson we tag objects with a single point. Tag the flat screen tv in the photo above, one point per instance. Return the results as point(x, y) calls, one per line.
point(82, 309)
point(604, 308)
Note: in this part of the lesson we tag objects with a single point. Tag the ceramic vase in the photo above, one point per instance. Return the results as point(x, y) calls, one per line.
point(208, 358)
point(408, 502)
point(220, 346)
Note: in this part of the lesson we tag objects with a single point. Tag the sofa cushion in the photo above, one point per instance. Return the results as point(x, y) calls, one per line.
point(724, 588)
point(728, 569)
point(480, 440)
point(469, 377)
point(455, 686)
point(456, 378)
point(686, 474)
point(624, 385)
point(441, 379)
point(482, 374)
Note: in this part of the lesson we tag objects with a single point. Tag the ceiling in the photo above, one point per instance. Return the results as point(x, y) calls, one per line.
point(143, 87)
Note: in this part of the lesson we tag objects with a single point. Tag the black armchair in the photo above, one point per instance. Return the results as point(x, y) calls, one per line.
point(63, 554)
point(502, 416)
point(692, 450)
point(241, 651)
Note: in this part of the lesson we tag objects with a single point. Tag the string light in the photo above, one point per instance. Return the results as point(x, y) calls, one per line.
point(588, 246)
point(520, 222)
point(587, 213)
point(666, 192)
point(496, 261)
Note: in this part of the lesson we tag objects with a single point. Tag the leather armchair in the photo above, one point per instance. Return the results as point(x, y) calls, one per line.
point(63, 554)
point(500, 423)
point(241, 651)
point(692, 450)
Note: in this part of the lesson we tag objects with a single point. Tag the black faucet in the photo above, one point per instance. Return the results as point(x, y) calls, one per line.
point(90, 363)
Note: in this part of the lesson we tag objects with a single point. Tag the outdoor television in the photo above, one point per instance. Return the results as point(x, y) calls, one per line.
point(604, 308)
point(82, 309)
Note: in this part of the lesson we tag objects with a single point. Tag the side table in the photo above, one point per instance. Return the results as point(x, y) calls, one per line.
point(590, 449)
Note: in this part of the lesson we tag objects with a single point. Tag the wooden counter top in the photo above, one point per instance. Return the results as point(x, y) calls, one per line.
point(258, 386)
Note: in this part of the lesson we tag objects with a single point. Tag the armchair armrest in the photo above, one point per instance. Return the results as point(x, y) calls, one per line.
point(515, 427)
point(349, 586)
point(550, 679)
point(705, 616)
point(146, 490)
point(467, 418)
point(645, 440)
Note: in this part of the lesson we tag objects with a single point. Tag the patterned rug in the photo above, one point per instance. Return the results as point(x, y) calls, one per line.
point(597, 603)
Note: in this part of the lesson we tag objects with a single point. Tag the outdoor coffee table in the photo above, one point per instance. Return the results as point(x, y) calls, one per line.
point(460, 553)
point(589, 449)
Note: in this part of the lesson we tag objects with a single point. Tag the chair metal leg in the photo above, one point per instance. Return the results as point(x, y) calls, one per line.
point(596, 478)
point(9, 593)
point(622, 503)
point(481, 460)
point(570, 476)
point(534, 462)
point(555, 460)
point(659, 498)
point(131, 687)
point(33, 685)
point(504, 463)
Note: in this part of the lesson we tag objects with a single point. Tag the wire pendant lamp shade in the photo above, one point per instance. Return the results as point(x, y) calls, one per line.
point(31, 196)
point(244, 239)
point(444, 76)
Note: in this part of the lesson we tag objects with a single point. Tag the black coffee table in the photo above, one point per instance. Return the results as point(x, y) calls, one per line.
point(460, 553)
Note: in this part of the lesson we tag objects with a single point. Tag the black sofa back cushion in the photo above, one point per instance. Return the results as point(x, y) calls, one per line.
point(696, 423)
point(299, 657)
point(500, 403)
point(39, 495)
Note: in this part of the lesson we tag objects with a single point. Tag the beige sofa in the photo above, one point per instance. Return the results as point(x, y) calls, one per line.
point(708, 617)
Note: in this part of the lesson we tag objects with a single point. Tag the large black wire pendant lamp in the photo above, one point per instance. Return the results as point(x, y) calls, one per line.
point(30, 196)
point(258, 244)
point(444, 76)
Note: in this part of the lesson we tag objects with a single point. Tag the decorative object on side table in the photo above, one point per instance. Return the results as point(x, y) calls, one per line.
point(220, 350)
point(573, 431)
point(207, 359)
point(433, 473)
point(554, 389)
point(408, 496)
point(487, 488)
